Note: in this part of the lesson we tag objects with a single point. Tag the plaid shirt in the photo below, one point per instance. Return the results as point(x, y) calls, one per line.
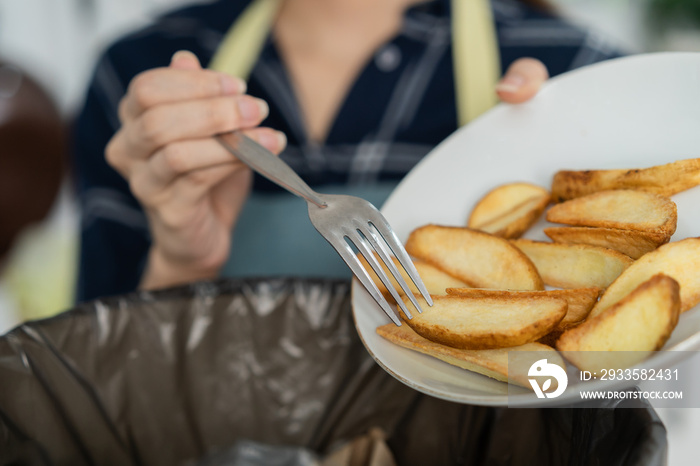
point(401, 105)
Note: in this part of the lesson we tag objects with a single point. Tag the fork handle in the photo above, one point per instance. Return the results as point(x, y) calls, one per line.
point(268, 165)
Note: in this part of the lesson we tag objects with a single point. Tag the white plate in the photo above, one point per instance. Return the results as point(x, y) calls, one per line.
point(631, 112)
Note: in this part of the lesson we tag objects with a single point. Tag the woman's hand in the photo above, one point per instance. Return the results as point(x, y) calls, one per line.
point(190, 187)
point(522, 81)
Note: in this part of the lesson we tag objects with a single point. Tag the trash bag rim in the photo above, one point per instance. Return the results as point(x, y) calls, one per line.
point(223, 286)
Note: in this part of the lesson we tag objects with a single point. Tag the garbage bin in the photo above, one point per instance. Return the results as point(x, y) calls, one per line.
point(174, 376)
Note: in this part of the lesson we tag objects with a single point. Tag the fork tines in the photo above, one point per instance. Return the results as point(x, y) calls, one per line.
point(371, 240)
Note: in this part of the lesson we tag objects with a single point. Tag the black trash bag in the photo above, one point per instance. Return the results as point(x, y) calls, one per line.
point(170, 377)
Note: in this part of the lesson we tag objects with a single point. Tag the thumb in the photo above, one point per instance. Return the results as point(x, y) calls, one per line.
point(522, 80)
point(185, 60)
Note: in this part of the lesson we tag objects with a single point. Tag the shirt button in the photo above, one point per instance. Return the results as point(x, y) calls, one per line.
point(388, 58)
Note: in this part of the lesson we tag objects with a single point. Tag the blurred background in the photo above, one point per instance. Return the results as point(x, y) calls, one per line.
point(57, 42)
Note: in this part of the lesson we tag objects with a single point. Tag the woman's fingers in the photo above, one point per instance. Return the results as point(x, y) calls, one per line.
point(167, 85)
point(182, 158)
point(166, 124)
point(152, 177)
point(522, 80)
point(185, 60)
point(192, 165)
point(161, 86)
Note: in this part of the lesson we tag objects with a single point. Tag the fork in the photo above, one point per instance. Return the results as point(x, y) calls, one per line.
point(342, 220)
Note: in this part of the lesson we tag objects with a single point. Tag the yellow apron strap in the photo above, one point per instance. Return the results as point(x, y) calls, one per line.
point(475, 51)
point(475, 56)
point(241, 47)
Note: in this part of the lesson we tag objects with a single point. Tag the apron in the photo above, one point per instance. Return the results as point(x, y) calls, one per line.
point(273, 235)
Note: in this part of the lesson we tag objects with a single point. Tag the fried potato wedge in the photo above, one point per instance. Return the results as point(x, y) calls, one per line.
point(574, 265)
point(580, 301)
point(434, 279)
point(625, 333)
point(516, 221)
point(487, 323)
point(502, 199)
point(624, 208)
point(478, 259)
point(629, 242)
point(679, 260)
point(665, 180)
point(509, 210)
point(491, 363)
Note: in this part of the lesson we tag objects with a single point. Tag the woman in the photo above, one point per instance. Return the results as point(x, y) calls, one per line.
point(361, 89)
